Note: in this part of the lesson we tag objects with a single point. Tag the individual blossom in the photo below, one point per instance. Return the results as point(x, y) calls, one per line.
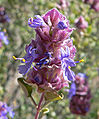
point(80, 23)
point(3, 38)
point(67, 63)
point(3, 16)
point(95, 5)
point(27, 60)
point(36, 22)
point(80, 101)
point(6, 111)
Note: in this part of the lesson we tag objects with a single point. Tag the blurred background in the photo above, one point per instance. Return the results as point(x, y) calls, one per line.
point(84, 16)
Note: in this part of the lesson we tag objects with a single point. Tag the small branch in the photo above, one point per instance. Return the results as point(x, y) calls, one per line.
point(39, 106)
point(33, 101)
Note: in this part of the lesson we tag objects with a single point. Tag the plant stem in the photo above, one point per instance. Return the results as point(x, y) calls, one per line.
point(39, 106)
point(33, 101)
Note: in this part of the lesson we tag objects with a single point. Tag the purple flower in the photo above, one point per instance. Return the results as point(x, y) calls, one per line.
point(95, 5)
point(10, 111)
point(67, 63)
point(80, 101)
point(52, 34)
point(6, 110)
point(81, 23)
point(62, 25)
point(72, 90)
point(36, 22)
point(3, 16)
point(27, 59)
point(4, 38)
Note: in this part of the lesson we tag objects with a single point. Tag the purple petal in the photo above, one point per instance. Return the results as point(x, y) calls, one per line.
point(65, 53)
point(5, 40)
point(36, 22)
point(11, 114)
point(69, 62)
point(61, 25)
point(72, 90)
point(23, 69)
point(70, 74)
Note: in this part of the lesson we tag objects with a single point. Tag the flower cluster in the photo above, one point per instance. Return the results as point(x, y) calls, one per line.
point(3, 16)
point(50, 56)
point(6, 111)
point(80, 23)
point(3, 38)
point(93, 3)
point(80, 95)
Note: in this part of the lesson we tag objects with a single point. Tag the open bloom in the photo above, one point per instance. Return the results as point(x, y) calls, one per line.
point(67, 63)
point(5, 111)
point(27, 60)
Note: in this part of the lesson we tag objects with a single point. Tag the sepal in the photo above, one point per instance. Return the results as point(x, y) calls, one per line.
point(25, 87)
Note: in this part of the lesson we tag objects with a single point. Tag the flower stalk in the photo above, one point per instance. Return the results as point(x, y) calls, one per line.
point(39, 106)
point(32, 99)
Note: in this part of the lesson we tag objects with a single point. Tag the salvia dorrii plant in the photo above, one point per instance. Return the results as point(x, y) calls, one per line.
point(48, 59)
point(3, 15)
point(6, 112)
point(80, 95)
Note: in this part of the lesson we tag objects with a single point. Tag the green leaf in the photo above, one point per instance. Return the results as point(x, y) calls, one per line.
point(53, 96)
point(25, 87)
point(50, 97)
